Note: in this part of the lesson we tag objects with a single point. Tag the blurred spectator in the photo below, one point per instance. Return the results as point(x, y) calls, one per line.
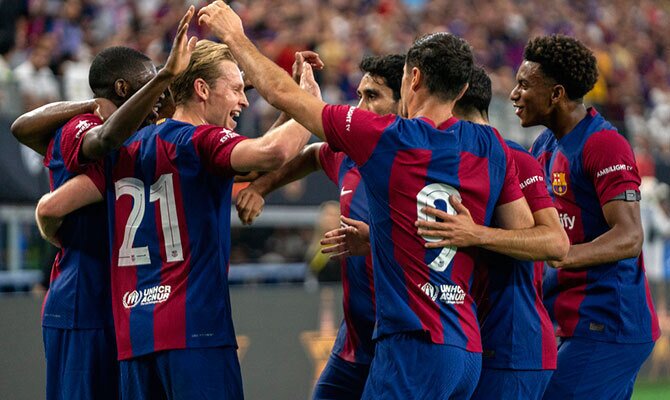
point(320, 265)
point(37, 83)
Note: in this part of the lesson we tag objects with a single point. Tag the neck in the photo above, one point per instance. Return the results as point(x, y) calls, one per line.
point(191, 114)
point(564, 120)
point(430, 107)
point(473, 116)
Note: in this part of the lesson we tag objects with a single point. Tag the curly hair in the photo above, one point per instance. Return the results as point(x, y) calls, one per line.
point(446, 62)
point(388, 67)
point(566, 60)
point(478, 95)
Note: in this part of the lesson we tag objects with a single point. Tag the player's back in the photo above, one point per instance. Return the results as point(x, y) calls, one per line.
point(407, 165)
point(169, 206)
point(79, 293)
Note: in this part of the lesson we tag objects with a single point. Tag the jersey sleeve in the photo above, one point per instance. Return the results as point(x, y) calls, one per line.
point(510, 189)
point(609, 162)
point(330, 162)
point(354, 131)
point(72, 136)
point(214, 146)
point(96, 172)
point(531, 181)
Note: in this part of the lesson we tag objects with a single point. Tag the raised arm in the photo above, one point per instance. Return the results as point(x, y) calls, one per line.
point(250, 199)
point(52, 208)
point(623, 240)
point(269, 80)
point(109, 136)
point(36, 128)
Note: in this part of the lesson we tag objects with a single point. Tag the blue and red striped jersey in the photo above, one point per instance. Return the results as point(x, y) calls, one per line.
point(517, 332)
point(407, 164)
point(354, 339)
point(168, 192)
point(79, 292)
point(585, 169)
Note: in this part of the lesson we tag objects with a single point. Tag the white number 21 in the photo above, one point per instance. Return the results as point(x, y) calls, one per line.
point(161, 191)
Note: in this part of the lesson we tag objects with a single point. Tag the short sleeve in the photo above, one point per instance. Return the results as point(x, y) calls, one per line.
point(610, 164)
point(354, 131)
point(214, 146)
point(96, 172)
point(511, 190)
point(72, 136)
point(330, 162)
point(531, 181)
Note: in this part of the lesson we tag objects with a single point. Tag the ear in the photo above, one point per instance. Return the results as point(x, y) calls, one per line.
point(558, 93)
point(121, 88)
point(462, 92)
point(201, 89)
point(417, 79)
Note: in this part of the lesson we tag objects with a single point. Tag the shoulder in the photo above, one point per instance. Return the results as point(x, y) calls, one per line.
point(81, 123)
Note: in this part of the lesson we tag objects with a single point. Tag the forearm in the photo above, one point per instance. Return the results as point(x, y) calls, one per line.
point(47, 225)
point(111, 135)
point(272, 82)
point(538, 243)
point(35, 128)
point(302, 165)
point(614, 245)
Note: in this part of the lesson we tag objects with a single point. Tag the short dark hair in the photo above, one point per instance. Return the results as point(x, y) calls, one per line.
point(478, 95)
point(114, 63)
point(566, 60)
point(445, 61)
point(388, 67)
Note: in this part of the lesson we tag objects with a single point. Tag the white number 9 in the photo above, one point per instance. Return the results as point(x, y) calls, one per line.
point(428, 197)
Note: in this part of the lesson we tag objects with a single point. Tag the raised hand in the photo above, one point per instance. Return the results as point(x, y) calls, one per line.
point(309, 57)
point(221, 20)
point(249, 204)
point(182, 47)
point(307, 81)
point(353, 239)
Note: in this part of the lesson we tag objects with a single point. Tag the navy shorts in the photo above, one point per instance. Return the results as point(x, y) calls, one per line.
point(341, 380)
point(81, 364)
point(589, 369)
point(408, 366)
point(510, 384)
point(194, 374)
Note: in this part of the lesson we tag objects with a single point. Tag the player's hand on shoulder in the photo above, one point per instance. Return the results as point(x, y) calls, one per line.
point(249, 204)
point(104, 108)
point(182, 47)
point(221, 20)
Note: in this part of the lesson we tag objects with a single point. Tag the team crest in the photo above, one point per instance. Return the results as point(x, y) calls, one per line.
point(558, 183)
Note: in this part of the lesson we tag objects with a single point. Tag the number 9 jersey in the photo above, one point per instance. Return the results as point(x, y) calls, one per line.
point(168, 194)
point(408, 164)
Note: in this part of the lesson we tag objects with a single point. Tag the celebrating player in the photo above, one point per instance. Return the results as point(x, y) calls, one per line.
point(347, 369)
point(428, 342)
point(77, 317)
point(598, 295)
point(168, 194)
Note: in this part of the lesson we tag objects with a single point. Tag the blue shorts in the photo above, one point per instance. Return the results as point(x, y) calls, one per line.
point(341, 380)
point(194, 374)
point(510, 384)
point(81, 364)
point(589, 369)
point(408, 366)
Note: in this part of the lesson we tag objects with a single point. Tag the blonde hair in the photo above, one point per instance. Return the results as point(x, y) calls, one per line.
point(204, 64)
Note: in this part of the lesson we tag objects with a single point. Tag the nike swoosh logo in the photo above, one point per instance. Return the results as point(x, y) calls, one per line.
point(345, 192)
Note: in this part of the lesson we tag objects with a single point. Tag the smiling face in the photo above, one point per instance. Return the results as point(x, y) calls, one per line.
point(532, 95)
point(226, 96)
point(375, 96)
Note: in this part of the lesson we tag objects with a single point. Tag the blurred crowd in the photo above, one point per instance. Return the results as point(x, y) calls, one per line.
point(46, 47)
